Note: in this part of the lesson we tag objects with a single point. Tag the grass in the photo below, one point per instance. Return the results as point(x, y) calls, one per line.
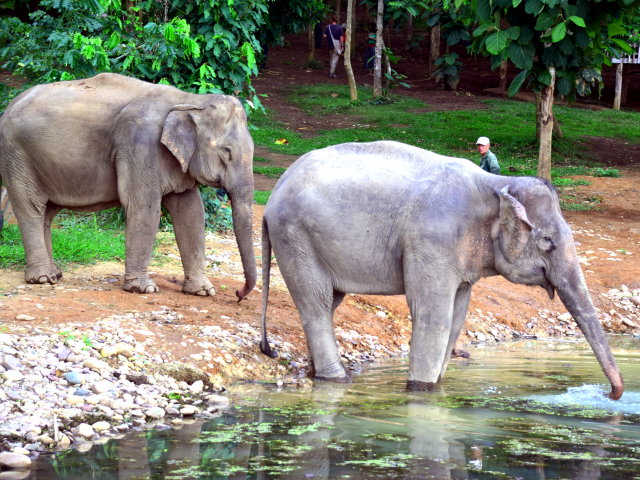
point(510, 125)
point(261, 197)
point(271, 172)
point(76, 242)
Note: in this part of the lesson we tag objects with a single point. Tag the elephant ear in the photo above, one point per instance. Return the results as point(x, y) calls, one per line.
point(514, 227)
point(179, 133)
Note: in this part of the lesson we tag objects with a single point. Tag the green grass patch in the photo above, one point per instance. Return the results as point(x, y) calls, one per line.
point(78, 242)
point(271, 172)
point(569, 182)
point(261, 197)
point(261, 159)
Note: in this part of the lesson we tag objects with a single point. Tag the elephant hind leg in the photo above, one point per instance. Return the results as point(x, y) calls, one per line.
point(312, 292)
point(34, 220)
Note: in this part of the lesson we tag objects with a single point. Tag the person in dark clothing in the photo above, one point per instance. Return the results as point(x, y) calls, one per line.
point(334, 34)
point(370, 50)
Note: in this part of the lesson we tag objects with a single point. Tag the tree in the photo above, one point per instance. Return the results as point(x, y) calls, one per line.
point(347, 53)
point(204, 46)
point(558, 45)
point(377, 64)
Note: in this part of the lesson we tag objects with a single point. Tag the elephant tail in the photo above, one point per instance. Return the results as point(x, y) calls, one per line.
point(266, 275)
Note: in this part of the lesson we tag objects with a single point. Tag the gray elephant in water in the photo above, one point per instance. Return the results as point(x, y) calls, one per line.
point(386, 218)
point(112, 140)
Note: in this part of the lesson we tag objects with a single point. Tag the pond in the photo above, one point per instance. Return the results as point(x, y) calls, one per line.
point(523, 410)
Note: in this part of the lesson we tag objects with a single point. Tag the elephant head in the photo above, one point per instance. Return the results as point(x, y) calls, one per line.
point(213, 146)
point(533, 245)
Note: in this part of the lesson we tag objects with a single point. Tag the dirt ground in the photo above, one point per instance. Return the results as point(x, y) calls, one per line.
point(608, 245)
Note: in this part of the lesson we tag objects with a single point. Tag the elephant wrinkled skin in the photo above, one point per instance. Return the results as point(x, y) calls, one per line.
point(112, 140)
point(386, 218)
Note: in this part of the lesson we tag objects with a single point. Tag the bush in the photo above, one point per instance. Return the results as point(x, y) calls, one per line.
point(208, 47)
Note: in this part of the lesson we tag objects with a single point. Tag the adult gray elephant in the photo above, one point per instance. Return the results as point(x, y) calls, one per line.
point(386, 218)
point(113, 140)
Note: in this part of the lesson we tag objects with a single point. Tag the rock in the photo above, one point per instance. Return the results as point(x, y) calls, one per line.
point(93, 363)
point(102, 386)
point(101, 426)
point(15, 475)
point(74, 378)
point(635, 300)
point(84, 430)
point(196, 387)
point(75, 400)
point(10, 362)
point(155, 412)
point(12, 376)
point(25, 318)
point(481, 337)
point(565, 317)
point(14, 460)
point(64, 441)
point(214, 399)
point(180, 372)
point(628, 322)
point(123, 349)
point(188, 410)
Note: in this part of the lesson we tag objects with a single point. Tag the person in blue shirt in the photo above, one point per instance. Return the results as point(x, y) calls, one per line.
point(488, 162)
point(334, 34)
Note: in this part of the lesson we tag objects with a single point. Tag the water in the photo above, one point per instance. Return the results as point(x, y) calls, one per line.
point(524, 410)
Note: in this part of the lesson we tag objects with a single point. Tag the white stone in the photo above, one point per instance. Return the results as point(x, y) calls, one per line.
point(196, 387)
point(565, 317)
point(12, 376)
point(75, 400)
point(14, 460)
point(95, 364)
point(102, 386)
point(84, 430)
point(188, 410)
point(155, 412)
point(101, 426)
point(25, 318)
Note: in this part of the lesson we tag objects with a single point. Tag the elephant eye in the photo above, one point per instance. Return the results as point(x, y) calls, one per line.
point(550, 247)
point(225, 153)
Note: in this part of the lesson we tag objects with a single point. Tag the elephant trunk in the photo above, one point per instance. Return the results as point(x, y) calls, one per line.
point(573, 292)
point(242, 212)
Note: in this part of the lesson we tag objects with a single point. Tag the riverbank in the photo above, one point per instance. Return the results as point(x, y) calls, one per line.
point(83, 361)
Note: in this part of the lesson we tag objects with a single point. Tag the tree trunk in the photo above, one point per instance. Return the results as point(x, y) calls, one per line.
point(338, 8)
point(409, 31)
point(434, 48)
point(503, 76)
point(546, 128)
point(618, 95)
point(312, 44)
point(377, 64)
point(347, 53)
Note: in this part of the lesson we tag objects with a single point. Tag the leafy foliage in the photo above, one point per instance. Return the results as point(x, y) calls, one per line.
point(204, 46)
point(576, 37)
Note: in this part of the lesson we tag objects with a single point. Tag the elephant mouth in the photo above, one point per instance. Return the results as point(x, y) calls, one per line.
point(547, 285)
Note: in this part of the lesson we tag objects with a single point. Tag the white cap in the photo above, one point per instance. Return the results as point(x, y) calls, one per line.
point(483, 141)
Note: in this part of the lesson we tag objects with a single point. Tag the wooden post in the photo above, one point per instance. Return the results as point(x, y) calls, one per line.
point(618, 94)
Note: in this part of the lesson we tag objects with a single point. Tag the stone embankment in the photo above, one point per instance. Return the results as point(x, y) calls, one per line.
point(71, 385)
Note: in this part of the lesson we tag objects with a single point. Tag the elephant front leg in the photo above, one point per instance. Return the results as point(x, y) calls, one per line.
point(460, 309)
point(141, 230)
point(431, 315)
point(187, 215)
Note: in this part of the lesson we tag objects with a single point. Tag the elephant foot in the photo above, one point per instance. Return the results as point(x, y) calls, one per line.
point(42, 276)
point(345, 379)
point(140, 285)
point(202, 288)
point(418, 386)
point(458, 352)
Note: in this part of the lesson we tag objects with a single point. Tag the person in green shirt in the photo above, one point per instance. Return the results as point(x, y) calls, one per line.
point(488, 162)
